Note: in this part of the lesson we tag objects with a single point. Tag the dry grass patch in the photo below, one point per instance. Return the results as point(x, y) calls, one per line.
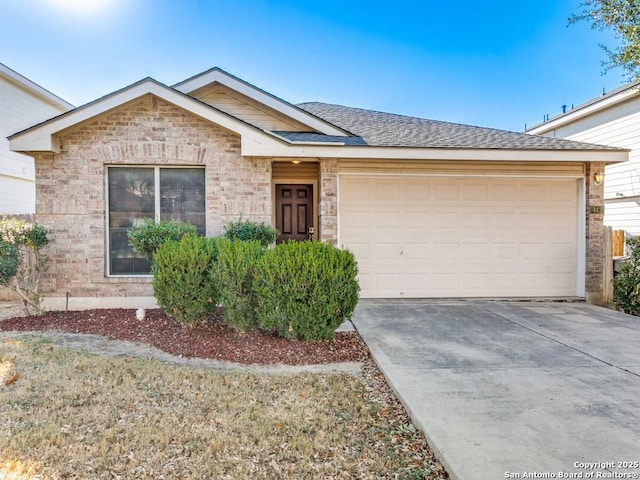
point(68, 414)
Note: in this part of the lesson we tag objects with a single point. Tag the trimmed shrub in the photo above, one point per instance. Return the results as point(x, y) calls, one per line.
point(147, 238)
point(249, 231)
point(626, 285)
point(233, 275)
point(181, 278)
point(305, 290)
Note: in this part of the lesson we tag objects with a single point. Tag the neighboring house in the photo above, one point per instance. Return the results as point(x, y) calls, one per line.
point(430, 209)
point(22, 103)
point(611, 119)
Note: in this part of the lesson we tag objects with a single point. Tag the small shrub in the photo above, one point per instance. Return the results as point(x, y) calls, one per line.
point(626, 285)
point(248, 231)
point(233, 275)
point(305, 290)
point(22, 261)
point(181, 278)
point(147, 238)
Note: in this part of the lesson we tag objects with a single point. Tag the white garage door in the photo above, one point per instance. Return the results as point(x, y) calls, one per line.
point(461, 237)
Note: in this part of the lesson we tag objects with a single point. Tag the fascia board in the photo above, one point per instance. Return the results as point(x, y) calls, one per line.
point(260, 96)
point(277, 149)
point(32, 87)
point(42, 137)
point(581, 112)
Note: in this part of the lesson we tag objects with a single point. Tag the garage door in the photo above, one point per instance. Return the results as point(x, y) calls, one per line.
point(461, 237)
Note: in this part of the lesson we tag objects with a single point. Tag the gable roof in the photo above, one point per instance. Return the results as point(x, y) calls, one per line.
point(391, 130)
point(217, 75)
point(335, 131)
point(23, 82)
point(41, 137)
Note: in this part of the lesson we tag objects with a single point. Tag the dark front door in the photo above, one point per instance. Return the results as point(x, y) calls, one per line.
point(294, 212)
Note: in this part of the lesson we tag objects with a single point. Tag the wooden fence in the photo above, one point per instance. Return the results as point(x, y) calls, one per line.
point(618, 243)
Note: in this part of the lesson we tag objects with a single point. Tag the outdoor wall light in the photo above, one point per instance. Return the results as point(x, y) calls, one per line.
point(598, 178)
point(295, 162)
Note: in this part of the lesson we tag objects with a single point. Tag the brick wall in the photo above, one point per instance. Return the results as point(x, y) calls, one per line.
point(328, 201)
point(70, 196)
point(594, 283)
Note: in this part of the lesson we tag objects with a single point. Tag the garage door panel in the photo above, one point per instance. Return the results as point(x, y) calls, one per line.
point(502, 220)
point(364, 280)
point(443, 252)
point(446, 191)
point(504, 193)
point(362, 251)
point(416, 252)
point(558, 193)
point(444, 219)
point(387, 284)
point(356, 191)
point(477, 251)
point(389, 252)
point(387, 190)
point(358, 218)
point(503, 251)
point(561, 280)
point(442, 237)
point(562, 252)
point(417, 192)
point(532, 193)
point(474, 221)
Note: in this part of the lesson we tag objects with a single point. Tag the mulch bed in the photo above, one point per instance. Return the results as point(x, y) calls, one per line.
point(211, 339)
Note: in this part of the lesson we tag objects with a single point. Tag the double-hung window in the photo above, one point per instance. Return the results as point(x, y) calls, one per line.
point(138, 193)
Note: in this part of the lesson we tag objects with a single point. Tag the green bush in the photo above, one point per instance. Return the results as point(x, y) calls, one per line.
point(626, 285)
point(22, 261)
point(181, 278)
point(9, 260)
point(248, 231)
point(147, 237)
point(305, 290)
point(233, 275)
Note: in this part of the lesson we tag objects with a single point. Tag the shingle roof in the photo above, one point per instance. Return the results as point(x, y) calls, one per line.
point(392, 130)
point(313, 137)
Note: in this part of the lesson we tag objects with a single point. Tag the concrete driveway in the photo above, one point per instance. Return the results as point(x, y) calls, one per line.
point(504, 389)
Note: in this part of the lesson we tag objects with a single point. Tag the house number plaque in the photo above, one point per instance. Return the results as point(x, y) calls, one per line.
point(595, 209)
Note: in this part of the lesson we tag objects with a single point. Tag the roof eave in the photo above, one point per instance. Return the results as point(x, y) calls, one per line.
point(35, 89)
point(42, 137)
point(589, 108)
point(278, 149)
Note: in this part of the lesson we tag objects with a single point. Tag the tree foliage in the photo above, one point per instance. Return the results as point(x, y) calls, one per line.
point(623, 18)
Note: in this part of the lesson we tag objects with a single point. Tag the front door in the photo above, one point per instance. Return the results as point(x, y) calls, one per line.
point(294, 212)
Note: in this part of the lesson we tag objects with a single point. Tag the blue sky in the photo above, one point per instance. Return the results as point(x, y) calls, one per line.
point(500, 64)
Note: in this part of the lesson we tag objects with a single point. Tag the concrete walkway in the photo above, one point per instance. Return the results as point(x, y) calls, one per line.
point(514, 389)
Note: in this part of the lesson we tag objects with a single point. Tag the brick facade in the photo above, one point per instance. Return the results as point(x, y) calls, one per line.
point(71, 193)
point(70, 197)
point(595, 231)
point(328, 201)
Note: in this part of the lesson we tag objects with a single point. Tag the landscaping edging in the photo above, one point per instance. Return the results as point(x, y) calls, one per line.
point(118, 348)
